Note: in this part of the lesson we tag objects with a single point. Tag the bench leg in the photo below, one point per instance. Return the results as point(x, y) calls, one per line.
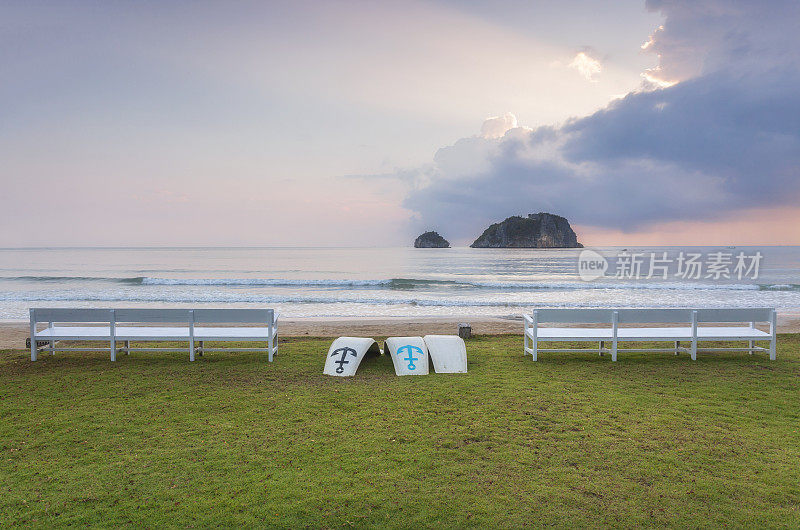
point(269, 348)
point(772, 345)
point(600, 349)
point(535, 347)
point(751, 345)
point(525, 342)
point(127, 347)
point(694, 350)
point(191, 348)
point(52, 347)
point(200, 348)
point(614, 351)
point(113, 349)
point(34, 348)
point(677, 346)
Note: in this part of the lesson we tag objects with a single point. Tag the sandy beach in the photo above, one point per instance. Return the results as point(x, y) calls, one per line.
point(13, 334)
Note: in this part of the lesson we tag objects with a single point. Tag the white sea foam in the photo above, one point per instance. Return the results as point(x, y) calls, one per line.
point(263, 281)
point(401, 283)
point(671, 286)
point(781, 287)
point(406, 283)
point(211, 297)
point(515, 301)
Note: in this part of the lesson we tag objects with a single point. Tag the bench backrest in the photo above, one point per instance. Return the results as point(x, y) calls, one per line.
point(574, 316)
point(754, 314)
point(152, 315)
point(70, 315)
point(244, 316)
point(651, 316)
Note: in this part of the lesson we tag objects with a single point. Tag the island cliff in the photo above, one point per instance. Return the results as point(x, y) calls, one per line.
point(538, 230)
point(431, 240)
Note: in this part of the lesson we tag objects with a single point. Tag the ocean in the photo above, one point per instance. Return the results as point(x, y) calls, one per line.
point(380, 282)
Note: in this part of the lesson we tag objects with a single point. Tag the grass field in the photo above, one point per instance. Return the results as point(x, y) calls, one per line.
point(572, 440)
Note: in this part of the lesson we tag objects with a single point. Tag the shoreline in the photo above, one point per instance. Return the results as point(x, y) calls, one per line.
point(13, 334)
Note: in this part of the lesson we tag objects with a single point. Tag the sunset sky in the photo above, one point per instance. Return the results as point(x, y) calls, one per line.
point(366, 123)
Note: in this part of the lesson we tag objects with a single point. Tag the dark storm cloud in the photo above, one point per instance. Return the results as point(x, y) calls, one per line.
point(724, 138)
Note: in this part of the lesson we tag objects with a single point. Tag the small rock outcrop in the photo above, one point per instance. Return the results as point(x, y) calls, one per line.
point(431, 240)
point(538, 230)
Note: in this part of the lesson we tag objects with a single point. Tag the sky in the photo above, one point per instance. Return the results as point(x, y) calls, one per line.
point(365, 123)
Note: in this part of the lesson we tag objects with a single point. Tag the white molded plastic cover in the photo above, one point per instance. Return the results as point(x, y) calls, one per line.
point(346, 354)
point(448, 353)
point(409, 355)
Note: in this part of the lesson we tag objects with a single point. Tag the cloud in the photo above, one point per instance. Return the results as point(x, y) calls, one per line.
point(497, 126)
point(587, 66)
point(715, 130)
point(722, 36)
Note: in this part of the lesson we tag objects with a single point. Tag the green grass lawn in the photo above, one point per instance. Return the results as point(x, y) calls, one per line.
point(571, 440)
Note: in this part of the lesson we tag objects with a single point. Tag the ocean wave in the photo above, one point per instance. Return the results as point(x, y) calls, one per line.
point(408, 283)
point(673, 286)
point(421, 283)
point(191, 298)
point(136, 280)
point(412, 283)
point(270, 301)
point(264, 281)
point(145, 296)
point(782, 287)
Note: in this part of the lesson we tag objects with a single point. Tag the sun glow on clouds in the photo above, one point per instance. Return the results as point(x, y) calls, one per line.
point(710, 135)
point(497, 126)
point(651, 40)
point(651, 77)
point(654, 76)
point(586, 66)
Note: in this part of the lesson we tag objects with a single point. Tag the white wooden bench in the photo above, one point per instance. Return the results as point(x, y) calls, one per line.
point(124, 326)
point(686, 328)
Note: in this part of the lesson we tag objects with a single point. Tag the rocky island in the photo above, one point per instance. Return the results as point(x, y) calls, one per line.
point(538, 230)
point(431, 240)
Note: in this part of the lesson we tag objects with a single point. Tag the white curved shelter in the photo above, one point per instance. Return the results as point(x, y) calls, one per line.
point(346, 353)
point(409, 355)
point(448, 353)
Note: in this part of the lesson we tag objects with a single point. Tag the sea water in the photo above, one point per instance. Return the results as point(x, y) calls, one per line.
point(373, 282)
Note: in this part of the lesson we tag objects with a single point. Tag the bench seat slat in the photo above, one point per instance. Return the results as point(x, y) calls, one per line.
point(152, 333)
point(572, 333)
point(75, 332)
point(722, 332)
point(231, 333)
point(665, 333)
